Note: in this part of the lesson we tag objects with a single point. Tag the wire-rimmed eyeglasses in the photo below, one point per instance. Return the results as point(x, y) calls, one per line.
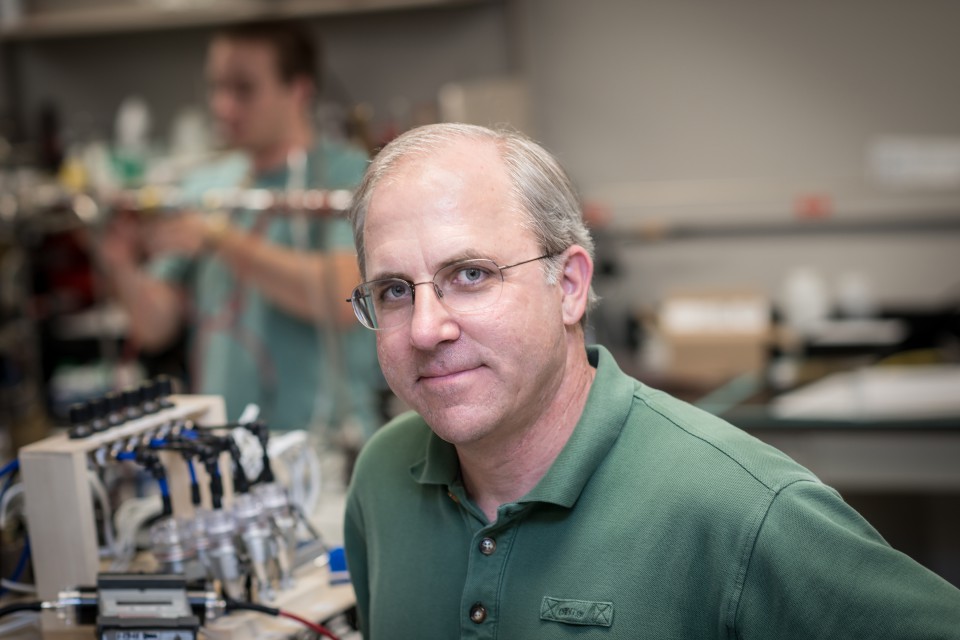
point(463, 287)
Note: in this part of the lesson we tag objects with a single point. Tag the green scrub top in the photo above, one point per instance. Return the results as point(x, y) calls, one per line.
point(249, 351)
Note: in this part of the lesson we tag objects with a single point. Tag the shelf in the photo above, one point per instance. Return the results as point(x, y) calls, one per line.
point(124, 17)
point(655, 231)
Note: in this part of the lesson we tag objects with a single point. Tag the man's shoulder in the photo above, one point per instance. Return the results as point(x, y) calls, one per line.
point(660, 436)
point(227, 170)
point(341, 163)
point(714, 446)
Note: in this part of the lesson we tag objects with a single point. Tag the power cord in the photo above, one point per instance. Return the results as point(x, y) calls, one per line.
point(234, 605)
point(24, 606)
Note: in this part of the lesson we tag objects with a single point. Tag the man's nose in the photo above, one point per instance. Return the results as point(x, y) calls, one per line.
point(431, 322)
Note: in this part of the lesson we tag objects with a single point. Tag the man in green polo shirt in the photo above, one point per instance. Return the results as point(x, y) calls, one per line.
point(260, 294)
point(538, 491)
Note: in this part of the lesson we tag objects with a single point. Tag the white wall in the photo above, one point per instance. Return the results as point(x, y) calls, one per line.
point(690, 89)
point(710, 111)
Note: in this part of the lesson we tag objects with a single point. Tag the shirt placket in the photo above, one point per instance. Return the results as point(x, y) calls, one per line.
point(486, 569)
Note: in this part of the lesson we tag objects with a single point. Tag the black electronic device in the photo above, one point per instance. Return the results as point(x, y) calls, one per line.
point(144, 607)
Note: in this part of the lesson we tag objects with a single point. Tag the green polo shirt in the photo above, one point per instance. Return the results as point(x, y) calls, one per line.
point(245, 348)
point(656, 520)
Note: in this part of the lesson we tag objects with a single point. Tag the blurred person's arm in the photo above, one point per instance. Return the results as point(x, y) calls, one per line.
point(306, 285)
point(154, 307)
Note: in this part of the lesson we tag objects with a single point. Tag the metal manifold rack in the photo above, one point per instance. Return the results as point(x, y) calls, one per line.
point(224, 521)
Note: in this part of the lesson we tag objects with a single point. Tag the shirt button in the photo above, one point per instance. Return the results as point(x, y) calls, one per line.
point(488, 546)
point(478, 613)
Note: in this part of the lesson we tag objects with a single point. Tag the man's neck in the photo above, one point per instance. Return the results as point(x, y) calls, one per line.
point(273, 157)
point(495, 473)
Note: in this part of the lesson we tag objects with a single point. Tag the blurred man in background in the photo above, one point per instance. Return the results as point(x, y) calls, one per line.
point(261, 295)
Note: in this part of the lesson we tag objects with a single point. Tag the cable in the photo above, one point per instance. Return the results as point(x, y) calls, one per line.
point(10, 467)
point(6, 486)
point(299, 468)
point(12, 584)
point(22, 562)
point(313, 626)
point(240, 482)
point(19, 587)
point(151, 462)
point(235, 605)
point(296, 491)
point(21, 606)
point(12, 473)
point(130, 517)
point(9, 493)
point(211, 464)
point(194, 483)
point(20, 621)
point(315, 488)
point(165, 496)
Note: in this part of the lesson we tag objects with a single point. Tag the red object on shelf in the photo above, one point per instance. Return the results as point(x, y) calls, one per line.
point(813, 206)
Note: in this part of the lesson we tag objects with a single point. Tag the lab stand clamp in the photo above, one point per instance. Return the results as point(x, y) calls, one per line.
point(218, 524)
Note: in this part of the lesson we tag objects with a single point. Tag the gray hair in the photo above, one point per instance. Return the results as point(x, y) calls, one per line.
point(541, 187)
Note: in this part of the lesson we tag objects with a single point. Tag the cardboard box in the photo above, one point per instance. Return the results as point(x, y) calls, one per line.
point(714, 336)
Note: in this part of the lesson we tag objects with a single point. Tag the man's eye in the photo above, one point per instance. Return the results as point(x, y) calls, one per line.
point(470, 275)
point(393, 291)
point(240, 89)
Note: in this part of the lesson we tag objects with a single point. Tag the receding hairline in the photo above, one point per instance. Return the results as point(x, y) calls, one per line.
point(424, 150)
point(422, 154)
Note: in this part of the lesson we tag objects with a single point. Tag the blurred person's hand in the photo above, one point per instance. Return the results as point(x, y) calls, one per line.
point(185, 234)
point(119, 246)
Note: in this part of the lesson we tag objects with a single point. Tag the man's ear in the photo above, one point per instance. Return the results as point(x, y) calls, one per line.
point(575, 283)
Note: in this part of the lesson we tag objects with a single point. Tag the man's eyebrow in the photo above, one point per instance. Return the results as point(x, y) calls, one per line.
point(385, 275)
point(467, 254)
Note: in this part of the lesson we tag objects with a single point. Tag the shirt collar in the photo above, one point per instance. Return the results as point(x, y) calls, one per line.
point(604, 414)
point(603, 417)
point(440, 464)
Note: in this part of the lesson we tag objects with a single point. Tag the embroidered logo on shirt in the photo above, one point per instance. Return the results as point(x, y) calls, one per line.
point(584, 612)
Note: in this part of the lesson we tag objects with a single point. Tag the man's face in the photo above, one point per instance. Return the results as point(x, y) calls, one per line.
point(471, 376)
point(253, 106)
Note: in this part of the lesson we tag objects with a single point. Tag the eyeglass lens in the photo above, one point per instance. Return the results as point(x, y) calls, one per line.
point(463, 287)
